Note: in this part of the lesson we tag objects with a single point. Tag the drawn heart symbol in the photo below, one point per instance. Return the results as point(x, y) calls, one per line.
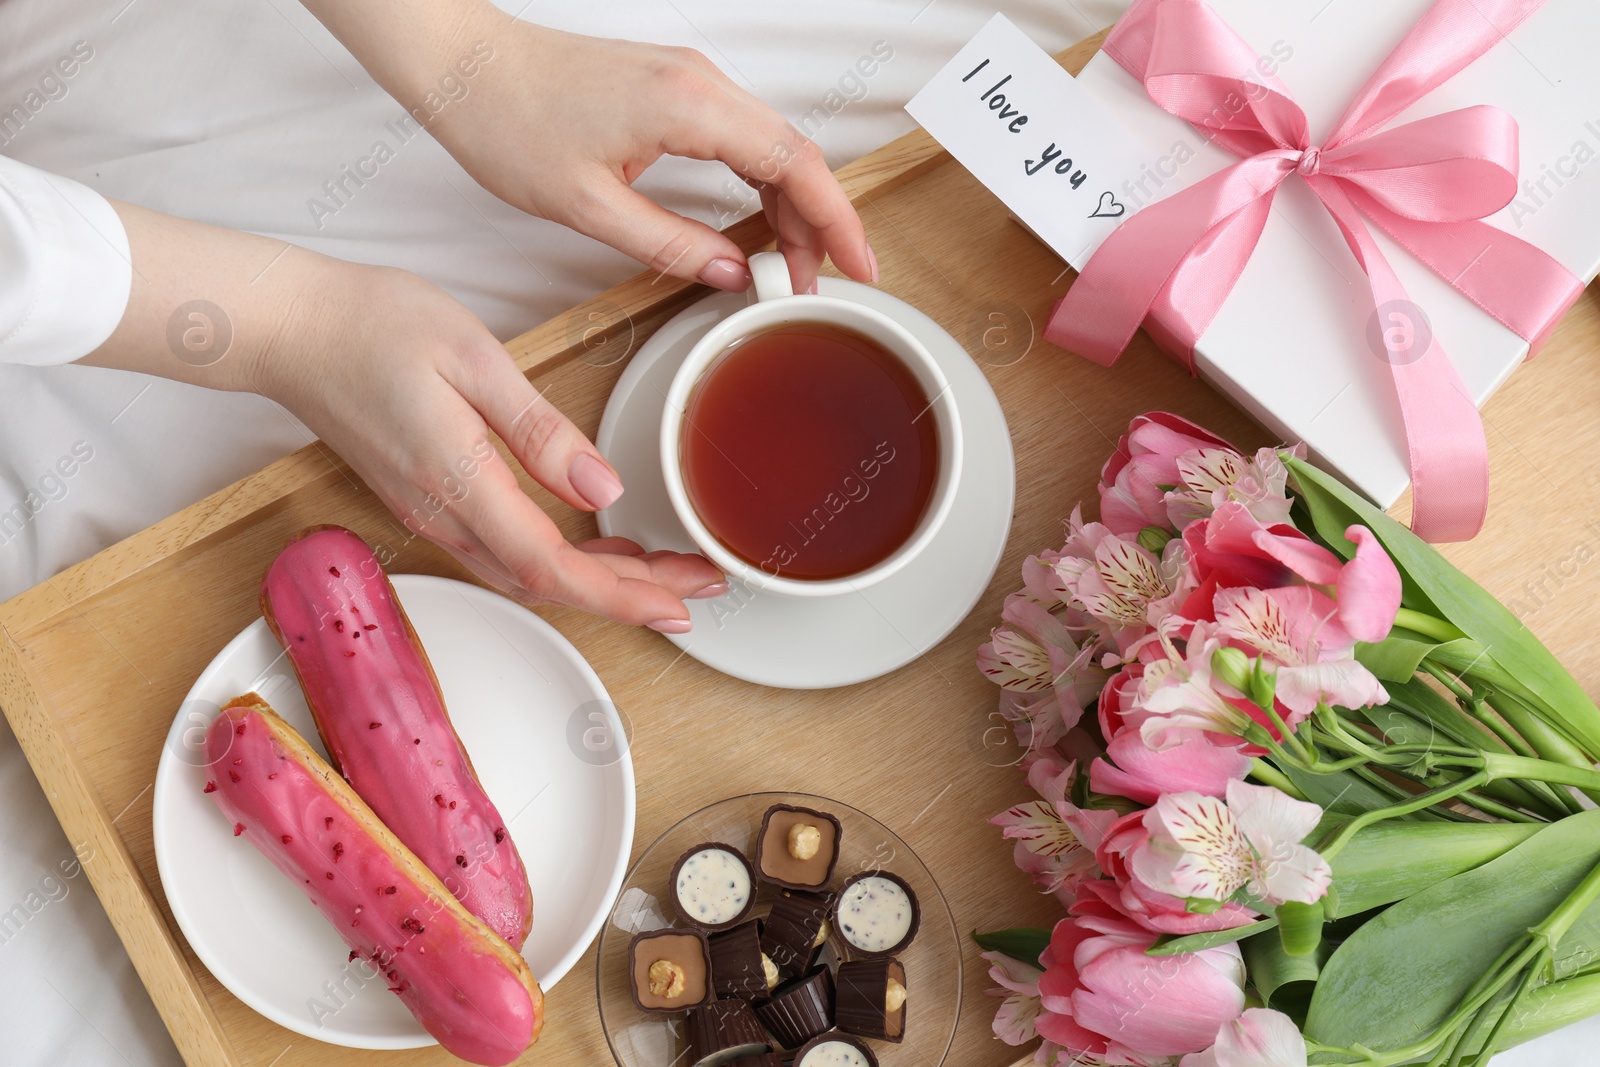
point(1109, 207)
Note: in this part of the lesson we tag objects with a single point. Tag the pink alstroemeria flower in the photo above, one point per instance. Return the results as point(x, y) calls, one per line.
point(1200, 848)
point(1157, 910)
point(1211, 477)
point(1035, 656)
point(1103, 996)
point(1180, 691)
point(1312, 652)
point(1197, 762)
point(1122, 586)
point(1019, 984)
point(1055, 839)
point(1260, 1037)
point(1135, 479)
point(1233, 548)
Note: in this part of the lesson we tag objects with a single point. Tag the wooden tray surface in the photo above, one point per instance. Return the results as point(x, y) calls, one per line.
point(95, 661)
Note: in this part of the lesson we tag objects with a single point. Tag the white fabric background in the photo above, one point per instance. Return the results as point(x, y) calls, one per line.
point(236, 113)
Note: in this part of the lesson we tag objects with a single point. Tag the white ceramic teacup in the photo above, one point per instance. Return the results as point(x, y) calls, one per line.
point(776, 304)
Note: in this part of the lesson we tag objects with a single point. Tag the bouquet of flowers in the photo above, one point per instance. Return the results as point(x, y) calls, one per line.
point(1306, 792)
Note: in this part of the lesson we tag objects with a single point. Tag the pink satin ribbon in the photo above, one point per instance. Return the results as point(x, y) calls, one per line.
point(1426, 184)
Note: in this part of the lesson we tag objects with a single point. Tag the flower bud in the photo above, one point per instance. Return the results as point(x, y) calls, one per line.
point(1231, 665)
point(1154, 538)
point(1263, 687)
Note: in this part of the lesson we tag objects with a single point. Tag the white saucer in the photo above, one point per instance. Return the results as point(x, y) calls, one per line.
point(794, 643)
point(546, 743)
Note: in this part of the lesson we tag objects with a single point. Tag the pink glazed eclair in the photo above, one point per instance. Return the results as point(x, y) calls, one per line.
point(382, 718)
point(465, 985)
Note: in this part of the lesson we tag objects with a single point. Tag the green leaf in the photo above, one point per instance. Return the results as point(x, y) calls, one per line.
point(1393, 860)
point(1177, 946)
point(1551, 1007)
point(1431, 584)
point(1394, 659)
point(1300, 927)
point(1342, 792)
point(1021, 943)
point(1284, 982)
point(1399, 976)
point(1419, 699)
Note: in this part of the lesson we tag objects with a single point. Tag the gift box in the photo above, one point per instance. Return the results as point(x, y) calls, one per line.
point(1298, 342)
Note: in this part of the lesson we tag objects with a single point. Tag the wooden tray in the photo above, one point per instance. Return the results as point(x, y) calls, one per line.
point(96, 660)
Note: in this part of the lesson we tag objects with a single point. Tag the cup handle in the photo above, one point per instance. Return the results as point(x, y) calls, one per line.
point(770, 273)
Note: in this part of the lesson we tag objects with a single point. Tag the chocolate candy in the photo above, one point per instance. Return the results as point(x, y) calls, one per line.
point(835, 1050)
point(877, 914)
point(712, 886)
point(724, 1031)
point(669, 970)
point(797, 848)
point(870, 998)
point(800, 1009)
point(795, 928)
point(761, 1059)
point(738, 966)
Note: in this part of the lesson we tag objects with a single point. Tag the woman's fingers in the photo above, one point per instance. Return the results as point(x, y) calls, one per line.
point(760, 144)
point(531, 549)
point(553, 451)
point(798, 240)
point(666, 242)
point(689, 577)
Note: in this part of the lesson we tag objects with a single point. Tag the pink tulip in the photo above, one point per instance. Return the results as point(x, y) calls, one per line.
point(1102, 995)
point(1150, 908)
point(1258, 1038)
point(1196, 761)
point(1134, 481)
point(1233, 548)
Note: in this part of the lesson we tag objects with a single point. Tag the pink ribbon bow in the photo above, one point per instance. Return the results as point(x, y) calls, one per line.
point(1426, 184)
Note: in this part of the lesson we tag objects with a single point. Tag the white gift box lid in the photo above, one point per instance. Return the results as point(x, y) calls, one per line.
point(1290, 344)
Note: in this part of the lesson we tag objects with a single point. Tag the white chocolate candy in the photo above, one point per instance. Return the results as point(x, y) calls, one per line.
point(713, 886)
point(833, 1054)
point(874, 914)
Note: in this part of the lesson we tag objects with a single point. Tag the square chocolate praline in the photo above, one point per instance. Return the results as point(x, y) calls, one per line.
point(775, 865)
point(736, 969)
point(795, 929)
point(861, 999)
point(688, 949)
point(724, 1031)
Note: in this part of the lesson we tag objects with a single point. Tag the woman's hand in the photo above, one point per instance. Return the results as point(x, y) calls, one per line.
point(407, 385)
point(560, 125)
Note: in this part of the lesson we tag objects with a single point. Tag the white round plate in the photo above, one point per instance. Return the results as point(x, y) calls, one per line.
point(546, 742)
point(817, 643)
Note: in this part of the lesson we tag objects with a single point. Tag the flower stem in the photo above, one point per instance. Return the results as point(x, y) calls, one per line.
point(1428, 625)
point(1267, 774)
point(1342, 836)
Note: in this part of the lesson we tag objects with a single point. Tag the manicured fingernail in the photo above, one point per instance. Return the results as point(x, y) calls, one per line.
point(811, 290)
point(715, 589)
point(726, 274)
point(594, 481)
point(872, 257)
point(672, 626)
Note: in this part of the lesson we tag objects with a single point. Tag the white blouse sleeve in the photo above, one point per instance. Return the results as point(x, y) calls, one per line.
point(65, 272)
